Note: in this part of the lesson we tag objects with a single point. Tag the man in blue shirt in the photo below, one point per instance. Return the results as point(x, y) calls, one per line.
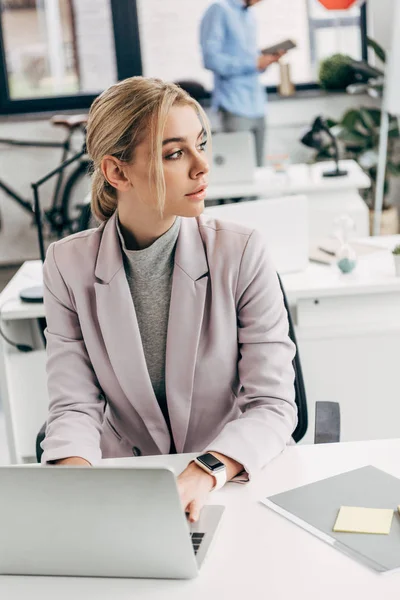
point(229, 46)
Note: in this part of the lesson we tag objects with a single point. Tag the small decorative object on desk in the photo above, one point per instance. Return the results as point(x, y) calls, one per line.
point(346, 258)
point(286, 86)
point(396, 257)
point(279, 162)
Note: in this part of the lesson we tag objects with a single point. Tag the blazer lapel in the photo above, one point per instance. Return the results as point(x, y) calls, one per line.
point(189, 288)
point(120, 330)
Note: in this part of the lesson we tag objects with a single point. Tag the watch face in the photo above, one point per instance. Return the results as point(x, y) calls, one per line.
point(211, 462)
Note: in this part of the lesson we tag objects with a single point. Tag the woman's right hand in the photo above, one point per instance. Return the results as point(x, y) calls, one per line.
point(73, 460)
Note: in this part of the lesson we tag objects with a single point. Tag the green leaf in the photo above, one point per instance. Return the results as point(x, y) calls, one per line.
point(367, 119)
point(331, 122)
point(393, 127)
point(393, 133)
point(375, 114)
point(353, 137)
point(379, 51)
point(393, 169)
point(350, 118)
point(386, 186)
point(354, 151)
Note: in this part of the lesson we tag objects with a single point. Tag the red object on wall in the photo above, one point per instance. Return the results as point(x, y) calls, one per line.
point(339, 4)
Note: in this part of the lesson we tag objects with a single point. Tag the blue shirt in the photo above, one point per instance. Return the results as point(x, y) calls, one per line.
point(229, 47)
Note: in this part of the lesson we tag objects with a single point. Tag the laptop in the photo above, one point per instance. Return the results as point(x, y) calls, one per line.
point(233, 158)
point(99, 522)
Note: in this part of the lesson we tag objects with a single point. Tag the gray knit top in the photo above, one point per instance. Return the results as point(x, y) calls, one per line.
point(149, 274)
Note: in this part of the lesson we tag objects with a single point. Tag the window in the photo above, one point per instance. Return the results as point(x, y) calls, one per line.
point(59, 54)
point(170, 46)
point(335, 31)
point(55, 49)
point(38, 48)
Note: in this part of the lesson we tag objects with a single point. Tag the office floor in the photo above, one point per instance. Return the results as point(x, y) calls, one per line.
point(5, 275)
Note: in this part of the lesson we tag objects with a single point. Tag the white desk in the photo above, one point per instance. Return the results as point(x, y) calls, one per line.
point(23, 388)
point(257, 554)
point(328, 197)
point(348, 333)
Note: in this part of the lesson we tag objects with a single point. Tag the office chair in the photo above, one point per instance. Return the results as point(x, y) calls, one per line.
point(327, 414)
point(195, 89)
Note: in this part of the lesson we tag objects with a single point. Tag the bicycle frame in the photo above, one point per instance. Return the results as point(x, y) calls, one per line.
point(53, 215)
point(6, 188)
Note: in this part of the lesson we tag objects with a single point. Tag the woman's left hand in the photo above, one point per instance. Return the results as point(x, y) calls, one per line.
point(194, 484)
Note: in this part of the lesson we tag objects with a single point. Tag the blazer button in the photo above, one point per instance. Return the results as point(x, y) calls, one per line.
point(136, 451)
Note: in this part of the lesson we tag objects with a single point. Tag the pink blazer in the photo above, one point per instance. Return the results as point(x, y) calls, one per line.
point(229, 374)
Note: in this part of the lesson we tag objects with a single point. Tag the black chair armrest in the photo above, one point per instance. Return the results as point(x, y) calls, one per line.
point(327, 422)
point(39, 439)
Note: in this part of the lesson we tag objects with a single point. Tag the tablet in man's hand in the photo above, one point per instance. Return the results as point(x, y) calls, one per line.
point(285, 45)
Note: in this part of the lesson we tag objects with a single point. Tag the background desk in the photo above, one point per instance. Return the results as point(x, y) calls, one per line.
point(348, 330)
point(348, 333)
point(257, 554)
point(328, 197)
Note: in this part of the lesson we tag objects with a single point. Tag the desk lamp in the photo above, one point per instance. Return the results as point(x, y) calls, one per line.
point(35, 293)
point(314, 139)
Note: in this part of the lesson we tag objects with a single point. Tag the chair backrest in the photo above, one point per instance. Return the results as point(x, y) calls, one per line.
point(195, 89)
point(300, 392)
point(39, 439)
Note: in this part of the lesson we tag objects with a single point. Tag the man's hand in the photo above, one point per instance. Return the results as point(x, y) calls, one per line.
point(194, 484)
point(72, 460)
point(265, 60)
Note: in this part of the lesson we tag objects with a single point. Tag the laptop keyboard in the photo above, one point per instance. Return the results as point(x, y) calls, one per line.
point(197, 538)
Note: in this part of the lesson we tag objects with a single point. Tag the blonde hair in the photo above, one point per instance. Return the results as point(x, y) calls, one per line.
point(119, 119)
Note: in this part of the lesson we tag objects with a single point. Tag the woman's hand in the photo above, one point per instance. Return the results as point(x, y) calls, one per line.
point(194, 484)
point(72, 460)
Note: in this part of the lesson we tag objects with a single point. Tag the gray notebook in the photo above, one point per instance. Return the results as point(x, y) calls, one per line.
point(315, 507)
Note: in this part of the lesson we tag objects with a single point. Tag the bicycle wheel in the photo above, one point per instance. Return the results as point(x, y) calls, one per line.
point(75, 198)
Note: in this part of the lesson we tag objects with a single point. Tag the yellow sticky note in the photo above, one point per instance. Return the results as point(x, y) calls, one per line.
point(354, 519)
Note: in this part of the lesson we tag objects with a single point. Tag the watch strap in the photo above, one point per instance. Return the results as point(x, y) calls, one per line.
point(219, 476)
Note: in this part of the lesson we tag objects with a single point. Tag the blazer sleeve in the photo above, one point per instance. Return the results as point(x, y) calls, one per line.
point(266, 396)
point(77, 404)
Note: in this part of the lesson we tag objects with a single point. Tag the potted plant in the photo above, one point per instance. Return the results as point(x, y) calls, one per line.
point(396, 257)
point(358, 134)
point(335, 72)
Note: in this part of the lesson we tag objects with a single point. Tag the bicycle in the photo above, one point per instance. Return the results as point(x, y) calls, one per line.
point(65, 216)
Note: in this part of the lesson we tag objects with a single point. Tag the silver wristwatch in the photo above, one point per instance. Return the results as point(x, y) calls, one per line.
point(209, 463)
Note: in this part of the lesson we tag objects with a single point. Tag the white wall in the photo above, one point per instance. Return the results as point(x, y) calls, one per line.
point(286, 121)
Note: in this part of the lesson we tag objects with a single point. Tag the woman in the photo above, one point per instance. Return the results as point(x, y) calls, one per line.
point(166, 329)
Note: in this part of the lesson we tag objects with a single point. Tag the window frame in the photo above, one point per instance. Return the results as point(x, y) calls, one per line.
point(128, 56)
point(125, 22)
